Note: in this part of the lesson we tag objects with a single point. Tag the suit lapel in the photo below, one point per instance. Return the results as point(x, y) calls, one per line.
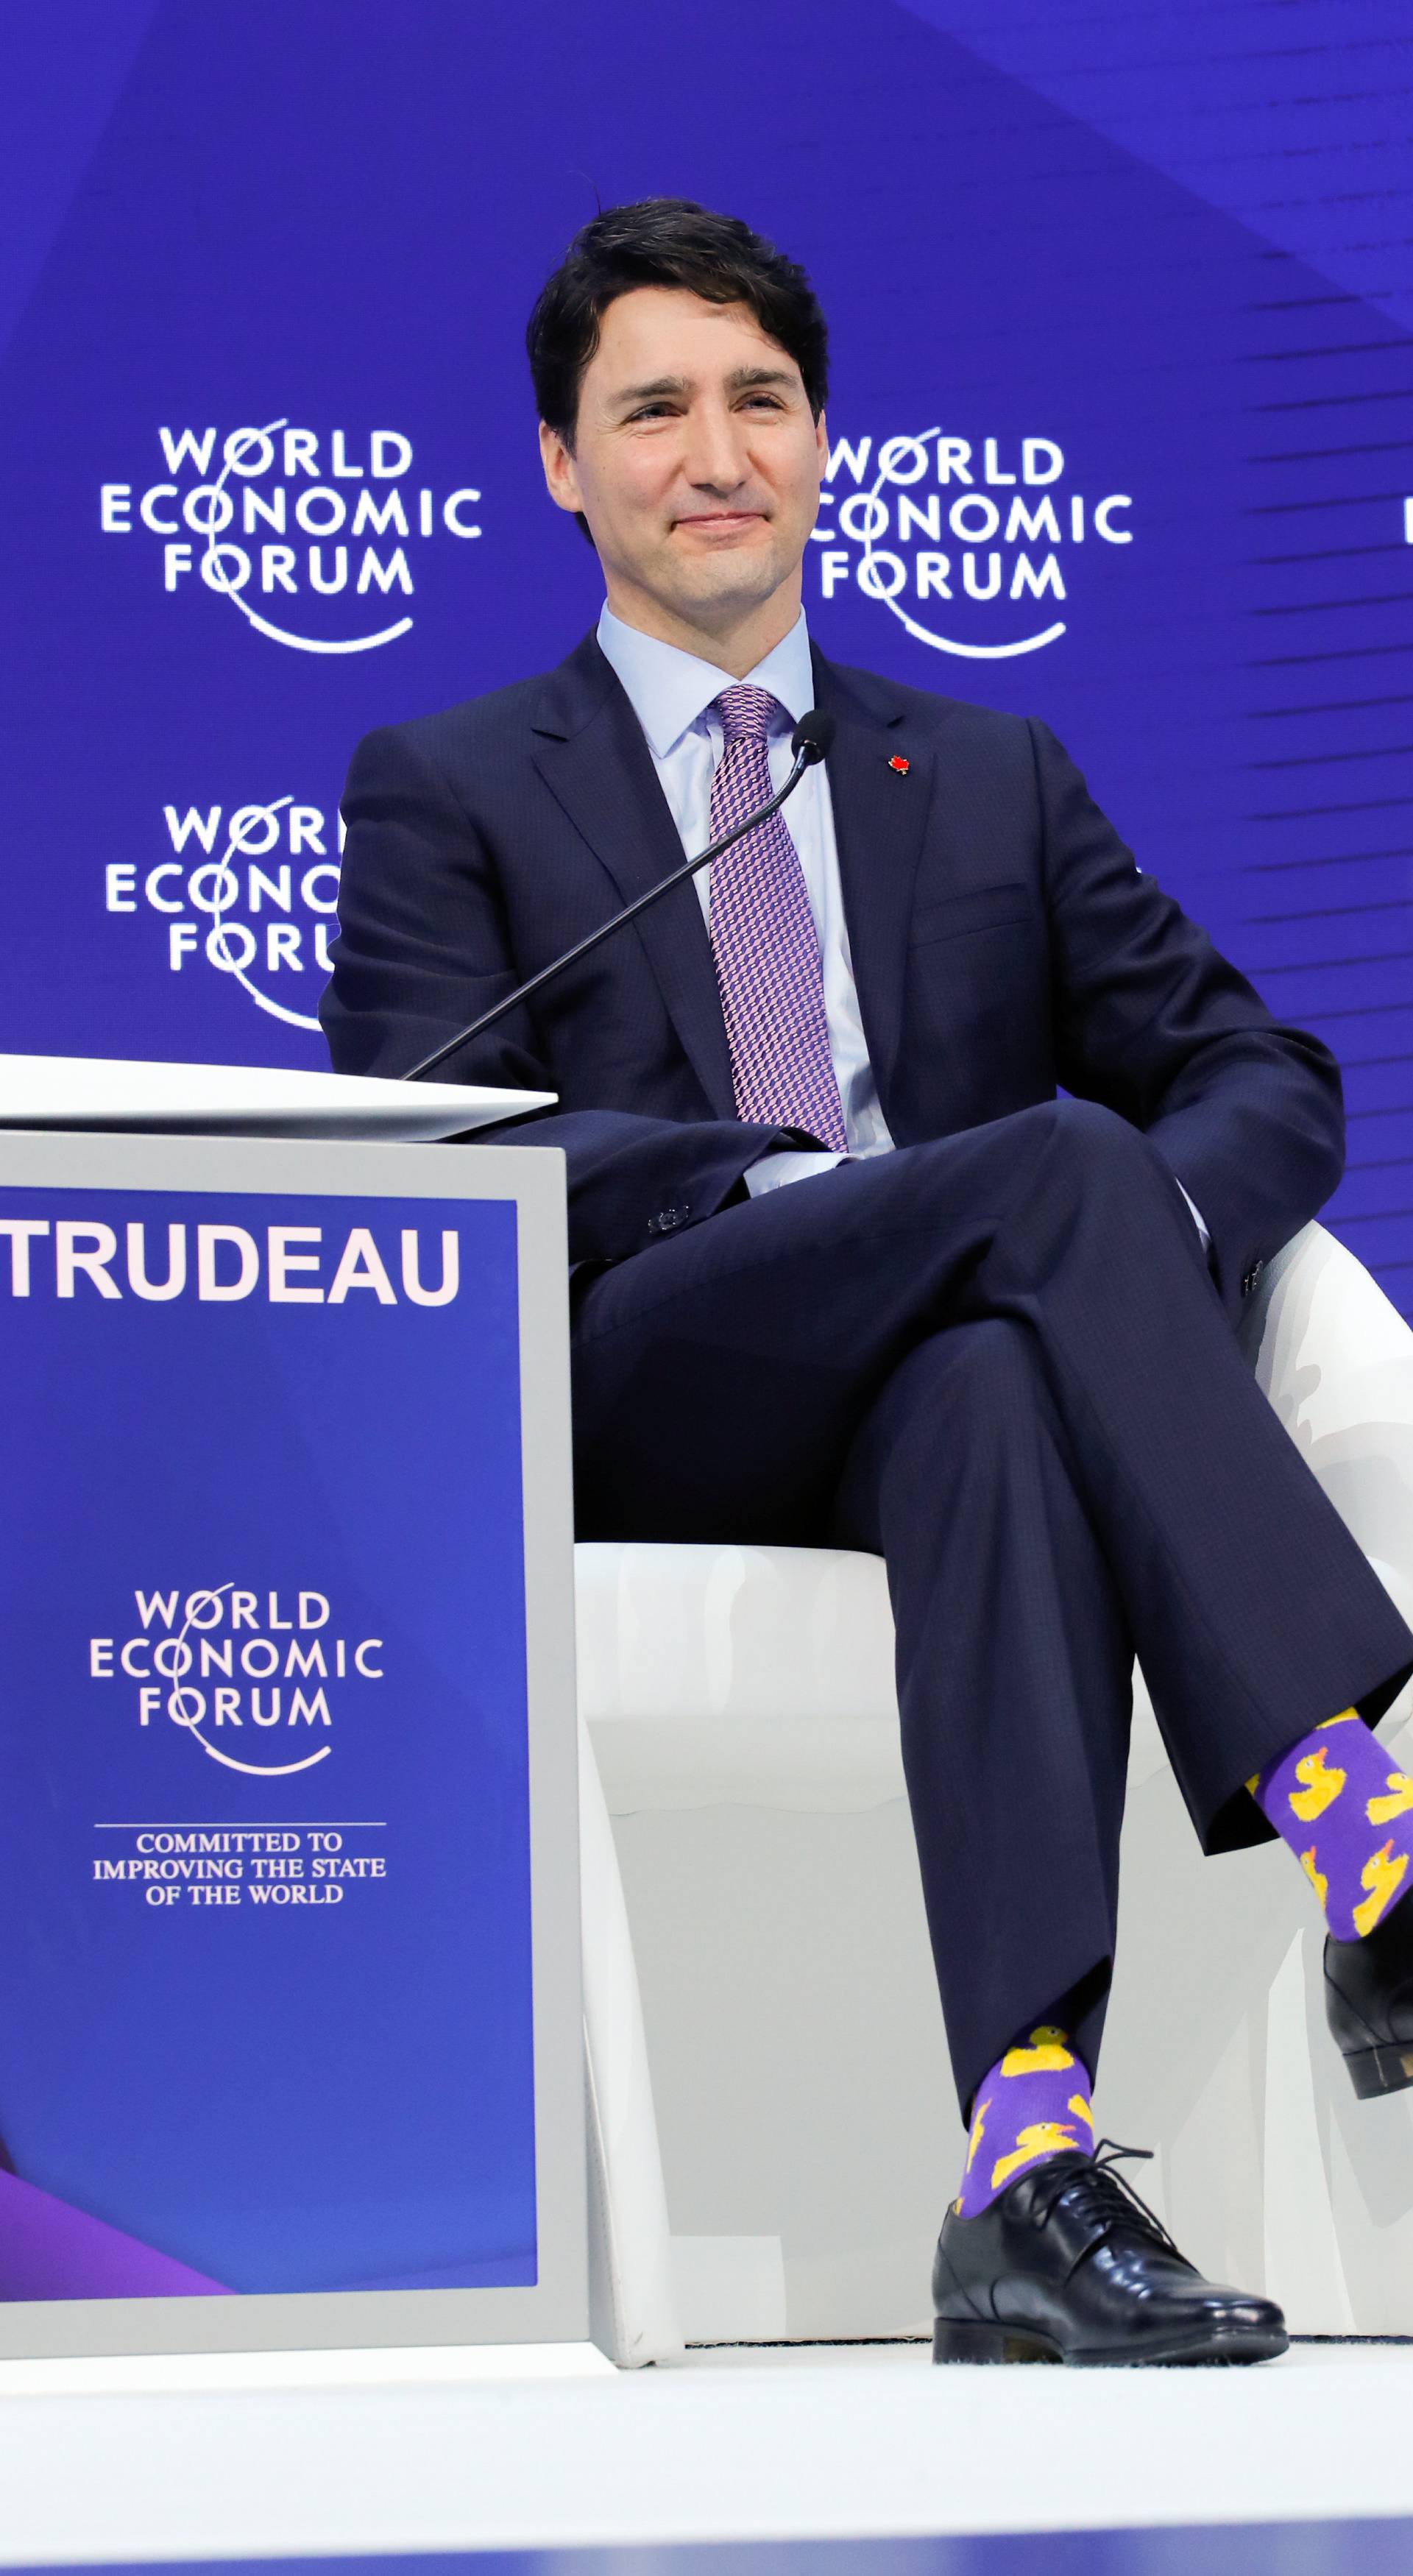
point(880, 820)
point(590, 751)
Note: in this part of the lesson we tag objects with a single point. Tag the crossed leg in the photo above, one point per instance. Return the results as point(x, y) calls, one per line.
point(1101, 1475)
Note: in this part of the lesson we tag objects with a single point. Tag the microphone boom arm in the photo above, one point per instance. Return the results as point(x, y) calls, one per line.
point(806, 756)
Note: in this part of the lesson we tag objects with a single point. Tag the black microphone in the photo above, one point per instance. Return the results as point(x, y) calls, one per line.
point(809, 742)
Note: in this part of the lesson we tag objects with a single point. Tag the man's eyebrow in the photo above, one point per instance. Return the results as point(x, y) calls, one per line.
point(740, 380)
point(659, 385)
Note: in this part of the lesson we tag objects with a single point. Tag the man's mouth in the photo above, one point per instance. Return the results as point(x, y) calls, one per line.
point(714, 522)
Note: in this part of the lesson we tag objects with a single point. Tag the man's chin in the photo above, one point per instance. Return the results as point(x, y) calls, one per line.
point(728, 584)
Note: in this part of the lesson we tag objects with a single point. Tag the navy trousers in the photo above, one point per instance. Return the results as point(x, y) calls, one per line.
point(999, 1362)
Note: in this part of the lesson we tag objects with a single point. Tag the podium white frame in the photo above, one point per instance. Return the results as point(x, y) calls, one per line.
point(556, 2309)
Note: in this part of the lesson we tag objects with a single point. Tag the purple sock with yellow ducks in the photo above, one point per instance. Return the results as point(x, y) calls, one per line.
point(1347, 1815)
point(1034, 2103)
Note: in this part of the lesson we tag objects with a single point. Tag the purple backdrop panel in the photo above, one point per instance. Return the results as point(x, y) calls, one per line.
point(1122, 315)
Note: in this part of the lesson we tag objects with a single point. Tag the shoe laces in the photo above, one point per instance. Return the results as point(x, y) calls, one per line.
point(1100, 2195)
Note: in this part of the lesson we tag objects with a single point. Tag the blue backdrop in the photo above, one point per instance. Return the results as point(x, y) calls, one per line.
point(1121, 309)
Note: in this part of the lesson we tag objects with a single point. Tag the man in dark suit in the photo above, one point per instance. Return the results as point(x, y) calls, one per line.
point(919, 1163)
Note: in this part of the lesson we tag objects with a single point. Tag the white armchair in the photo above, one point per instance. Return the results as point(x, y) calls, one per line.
point(765, 2046)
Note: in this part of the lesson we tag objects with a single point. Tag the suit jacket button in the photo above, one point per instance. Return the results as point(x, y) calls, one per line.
point(667, 1219)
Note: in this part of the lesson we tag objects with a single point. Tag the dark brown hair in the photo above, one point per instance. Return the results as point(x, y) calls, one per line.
point(666, 241)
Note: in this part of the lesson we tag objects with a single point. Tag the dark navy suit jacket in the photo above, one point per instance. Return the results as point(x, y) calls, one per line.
point(1004, 943)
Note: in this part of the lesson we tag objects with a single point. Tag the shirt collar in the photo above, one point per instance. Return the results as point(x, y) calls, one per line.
point(670, 689)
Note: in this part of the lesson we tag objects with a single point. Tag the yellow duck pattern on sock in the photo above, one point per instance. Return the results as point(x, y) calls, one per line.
point(1033, 2103)
point(1383, 1876)
point(1039, 2138)
point(1356, 1865)
point(1381, 1811)
point(1322, 1787)
point(1047, 2054)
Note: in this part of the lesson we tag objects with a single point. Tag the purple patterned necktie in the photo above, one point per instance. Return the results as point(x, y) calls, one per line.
point(763, 938)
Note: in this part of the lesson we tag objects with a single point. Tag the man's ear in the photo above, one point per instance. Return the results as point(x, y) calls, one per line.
point(821, 440)
point(561, 477)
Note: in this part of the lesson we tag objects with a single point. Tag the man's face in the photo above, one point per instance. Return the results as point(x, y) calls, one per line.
point(696, 460)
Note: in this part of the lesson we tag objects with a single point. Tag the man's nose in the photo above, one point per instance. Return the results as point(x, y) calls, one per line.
point(715, 458)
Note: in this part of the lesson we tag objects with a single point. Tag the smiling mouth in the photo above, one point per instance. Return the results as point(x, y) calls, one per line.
point(721, 519)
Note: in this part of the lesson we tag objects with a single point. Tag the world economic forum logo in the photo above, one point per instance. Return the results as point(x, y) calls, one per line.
point(971, 544)
point(250, 891)
point(281, 520)
point(237, 1662)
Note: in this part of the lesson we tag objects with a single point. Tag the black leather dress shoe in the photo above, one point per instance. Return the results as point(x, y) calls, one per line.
point(1369, 2002)
point(1069, 2265)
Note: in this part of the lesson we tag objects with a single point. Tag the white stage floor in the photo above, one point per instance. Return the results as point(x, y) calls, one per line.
point(374, 2453)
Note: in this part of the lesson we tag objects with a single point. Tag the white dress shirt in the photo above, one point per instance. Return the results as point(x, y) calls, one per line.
point(672, 694)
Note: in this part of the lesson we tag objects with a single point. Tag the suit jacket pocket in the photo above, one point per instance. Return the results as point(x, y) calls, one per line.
point(985, 908)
